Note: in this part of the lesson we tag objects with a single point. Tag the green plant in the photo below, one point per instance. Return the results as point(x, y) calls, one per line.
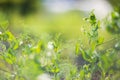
point(26, 56)
point(99, 64)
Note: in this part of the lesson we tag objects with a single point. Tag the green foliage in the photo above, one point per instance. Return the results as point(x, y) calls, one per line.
point(113, 25)
point(100, 63)
point(26, 56)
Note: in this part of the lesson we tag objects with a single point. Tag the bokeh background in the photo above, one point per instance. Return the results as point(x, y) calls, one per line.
point(41, 16)
point(40, 28)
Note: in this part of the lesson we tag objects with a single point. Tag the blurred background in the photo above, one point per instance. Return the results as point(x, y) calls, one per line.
point(41, 16)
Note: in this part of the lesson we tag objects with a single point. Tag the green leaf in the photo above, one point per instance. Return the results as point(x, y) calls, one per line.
point(93, 46)
point(100, 40)
point(82, 74)
point(9, 58)
point(11, 37)
point(92, 18)
point(16, 46)
point(85, 55)
point(77, 48)
point(55, 70)
point(4, 25)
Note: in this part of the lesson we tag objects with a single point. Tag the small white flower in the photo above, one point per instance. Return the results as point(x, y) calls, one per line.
point(29, 45)
point(49, 53)
point(50, 45)
point(44, 77)
point(21, 42)
point(0, 32)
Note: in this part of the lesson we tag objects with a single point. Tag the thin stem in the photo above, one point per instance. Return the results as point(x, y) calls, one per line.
point(108, 41)
point(6, 71)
